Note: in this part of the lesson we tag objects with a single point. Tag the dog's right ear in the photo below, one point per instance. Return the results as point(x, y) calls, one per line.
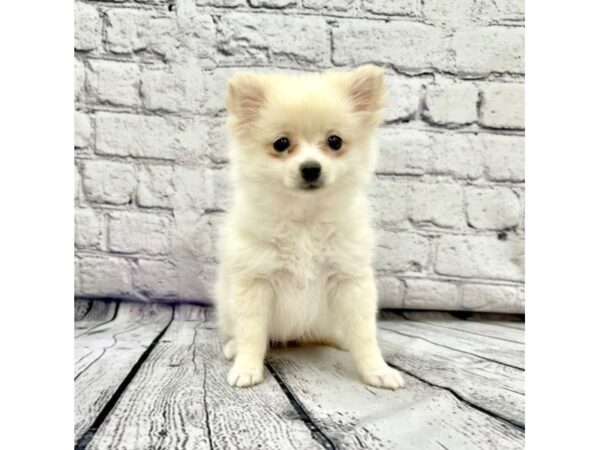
point(246, 95)
point(366, 88)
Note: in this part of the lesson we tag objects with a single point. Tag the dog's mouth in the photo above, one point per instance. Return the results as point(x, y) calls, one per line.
point(311, 186)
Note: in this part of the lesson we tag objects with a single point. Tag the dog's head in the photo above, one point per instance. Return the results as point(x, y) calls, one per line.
point(305, 134)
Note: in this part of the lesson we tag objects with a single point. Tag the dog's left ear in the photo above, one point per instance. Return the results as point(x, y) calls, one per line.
point(366, 89)
point(245, 96)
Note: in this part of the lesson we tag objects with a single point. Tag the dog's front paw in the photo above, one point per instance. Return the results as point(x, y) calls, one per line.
point(385, 377)
point(245, 376)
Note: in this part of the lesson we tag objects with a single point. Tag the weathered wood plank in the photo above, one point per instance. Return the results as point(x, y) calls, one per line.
point(180, 399)
point(509, 353)
point(105, 356)
point(504, 324)
point(193, 312)
point(496, 388)
point(81, 308)
point(94, 310)
point(353, 415)
point(97, 336)
point(502, 320)
point(447, 320)
point(91, 314)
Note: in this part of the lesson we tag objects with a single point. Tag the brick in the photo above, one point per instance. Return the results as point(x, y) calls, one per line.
point(109, 182)
point(503, 105)
point(257, 39)
point(77, 278)
point(403, 152)
point(458, 155)
point(155, 188)
point(215, 83)
point(192, 39)
point(132, 232)
point(88, 229)
point(416, 46)
point(504, 157)
point(83, 130)
point(481, 257)
point(484, 50)
point(191, 141)
point(388, 200)
point(137, 135)
point(272, 3)
point(77, 185)
point(521, 297)
point(194, 191)
point(115, 82)
point(328, 5)
point(490, 298)
point(521, 226)
point(494, 208)
point(209, 226)
point(195, 253)
point(218, 142)
point(196, 279)
point(440, 204)
point(188, 35)
point(127, 30)
point(181, 89)
point(105, 276)
point(401, 251)
point(449, 13)
point(429, 294)
point(223, 189)
point(404, 97)
point(79, 81)
point(396, 7)
point(221, 3)
point(511, 9)
point(88, 27)
point(451, 103)
point(155, 280)
point(390, 292)
point(502, 10)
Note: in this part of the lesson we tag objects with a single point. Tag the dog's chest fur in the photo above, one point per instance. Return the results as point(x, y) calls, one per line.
point(304, 251)
point(306, 258)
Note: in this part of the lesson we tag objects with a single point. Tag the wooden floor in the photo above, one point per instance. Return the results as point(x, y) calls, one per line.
point(152, 376)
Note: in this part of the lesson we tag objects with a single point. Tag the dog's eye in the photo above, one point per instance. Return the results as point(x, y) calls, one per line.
point(281, 144)
point(335, 142)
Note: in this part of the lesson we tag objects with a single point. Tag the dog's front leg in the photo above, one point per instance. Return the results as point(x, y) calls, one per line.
point(354, 302)
point(251, 301)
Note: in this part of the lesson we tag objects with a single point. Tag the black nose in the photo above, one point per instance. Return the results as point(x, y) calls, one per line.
point(310, 170)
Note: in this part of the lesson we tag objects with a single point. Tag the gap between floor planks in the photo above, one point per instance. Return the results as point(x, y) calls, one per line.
point(292, 384)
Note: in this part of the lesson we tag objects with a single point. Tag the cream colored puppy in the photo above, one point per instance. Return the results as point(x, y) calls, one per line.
point(297, 246)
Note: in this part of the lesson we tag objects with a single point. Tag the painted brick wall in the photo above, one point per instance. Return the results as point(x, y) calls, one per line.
point(151, 156)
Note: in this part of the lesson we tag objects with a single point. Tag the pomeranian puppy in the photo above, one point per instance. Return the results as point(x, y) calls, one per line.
point(297, 246)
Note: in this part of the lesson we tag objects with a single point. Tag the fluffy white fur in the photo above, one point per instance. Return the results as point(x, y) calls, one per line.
point(296, 264)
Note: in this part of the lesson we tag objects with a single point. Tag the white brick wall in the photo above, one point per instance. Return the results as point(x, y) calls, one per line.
point(151, 166)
